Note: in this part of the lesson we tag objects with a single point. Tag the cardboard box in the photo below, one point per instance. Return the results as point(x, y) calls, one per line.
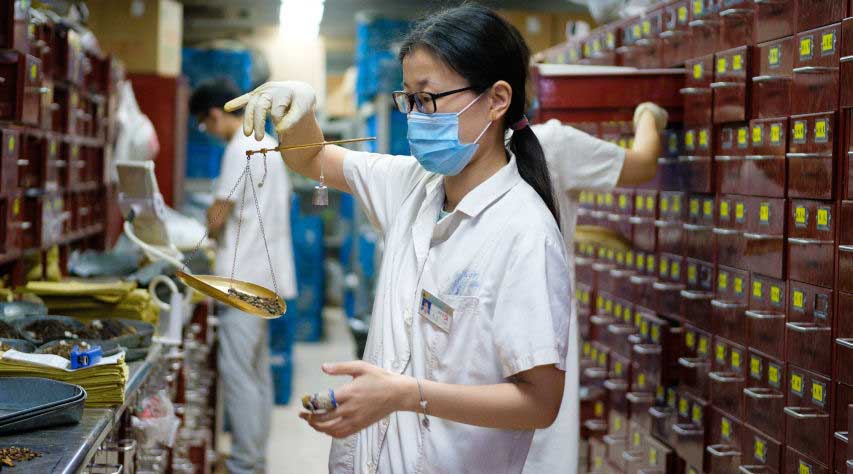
point(147, 39)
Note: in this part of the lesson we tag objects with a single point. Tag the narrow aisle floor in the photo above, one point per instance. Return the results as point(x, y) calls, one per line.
point(294, 446)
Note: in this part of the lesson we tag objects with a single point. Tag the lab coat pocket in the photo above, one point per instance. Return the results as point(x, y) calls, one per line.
point(444, 345)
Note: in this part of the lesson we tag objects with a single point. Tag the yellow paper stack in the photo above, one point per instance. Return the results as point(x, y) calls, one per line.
point(104, 383)
point(90, 300)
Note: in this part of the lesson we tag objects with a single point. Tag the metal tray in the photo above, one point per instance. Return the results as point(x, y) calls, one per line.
point(21, 397)
point(142, 338)
point(20, 324)
point(19, 345)
point(65, 414)
point(108, 348)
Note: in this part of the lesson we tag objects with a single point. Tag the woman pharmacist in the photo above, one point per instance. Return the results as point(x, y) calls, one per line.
point(469, 331)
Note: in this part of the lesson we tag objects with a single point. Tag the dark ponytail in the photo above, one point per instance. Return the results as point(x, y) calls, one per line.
point(482, 47)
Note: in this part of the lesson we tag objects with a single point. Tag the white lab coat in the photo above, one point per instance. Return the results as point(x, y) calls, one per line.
point(499, 261)
point(274, 204)
point(576, 161)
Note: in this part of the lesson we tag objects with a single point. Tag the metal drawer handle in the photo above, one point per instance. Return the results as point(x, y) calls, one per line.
point(763, 157)
point(597, 55)
point(845, 342)
point(595, 373)
point(735, 12)
point(694, 91)
point(639, 397)
point(756, 469)
point(615, 217)
point(669, 34)
point(796, 413)
point(800, 241)
point(624, 49)
point(620, 273)
point(721, 231)
point(54, 107)
point(615, 385)
point(639, 220)
point(810, 155)
point(769, 78)
point(729, 158)
point(22, 225)
point(702, 23)
point(635, 339)
point(84, 211)
point(726, 85)
point(696, 295)
point(659, 413)
point(602, 267)
point(662, 223)
point(79, 164)
point(720, 377)
point(769, 2)
point(692, 362)
point(610, 439)
point(660, 286)
point(595, 425)
point(23, 162)
point(693, 158)
point(620, 329)
point(687, 430)
point(846, 59)
point(759, 393)
point(722, 451)
point(721, 304)
point(751, 236)
point(645, 42)
point(814, 69)
point(630, 456)
point(583, 211)
point(667, 161)
point(642, 280)
point(697, 227)
point(807, 327)
point(846, 248)
point(841, 435)
point(763, 315)
point(597, 214)
point(647, 349)
point(598, 319)
point(582, 261)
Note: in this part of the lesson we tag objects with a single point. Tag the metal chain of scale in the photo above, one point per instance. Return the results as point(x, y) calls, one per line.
point(248, 181)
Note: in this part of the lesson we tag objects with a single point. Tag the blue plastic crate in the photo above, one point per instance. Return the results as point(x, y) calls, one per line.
point(281, 330)
point(203, 64)
point(203, 160)
point(281, 364)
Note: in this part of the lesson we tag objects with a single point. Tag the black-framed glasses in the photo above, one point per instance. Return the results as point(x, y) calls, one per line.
point(423, 102)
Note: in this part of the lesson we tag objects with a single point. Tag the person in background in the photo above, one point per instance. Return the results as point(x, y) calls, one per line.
point(579, 161)
point(243, 351)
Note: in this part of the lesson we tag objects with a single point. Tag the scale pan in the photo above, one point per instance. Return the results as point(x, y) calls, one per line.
point(217, 288)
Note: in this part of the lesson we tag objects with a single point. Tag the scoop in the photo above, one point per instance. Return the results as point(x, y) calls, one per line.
point(217, 288)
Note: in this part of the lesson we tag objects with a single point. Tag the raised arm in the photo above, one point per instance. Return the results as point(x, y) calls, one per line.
point(290, 104)
point(641, 161)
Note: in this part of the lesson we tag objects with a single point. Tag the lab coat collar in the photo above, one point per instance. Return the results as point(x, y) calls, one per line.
point(491, 189)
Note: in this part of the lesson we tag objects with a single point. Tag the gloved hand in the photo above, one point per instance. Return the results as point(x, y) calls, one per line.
point(286, 102)
point(660, 115)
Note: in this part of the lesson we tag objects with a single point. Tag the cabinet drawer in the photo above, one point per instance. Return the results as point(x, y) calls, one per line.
point(737, 20)
point(696, 299)
point(40, 166)
point(675, 34)
point(811, 160)
point(9, 224)
point(771, 86)
point(845, 248)
point(843, 397)
point(764, 395)
point(731, 96)
point(728, 376)
point(847, 157)
point(761, 453)
point(725, 442)
point(774, 19)
point(733, 145)
point(840, 458)
point(765, 167)
point(807, 414)
point(764, 237)
point(815, 71)
point(846, 61)
point(20, 89)
point(844, 339)
point(10, 153)
point(816, 13)
point(704, 27)
point(809, 327)
point(697, 91)
point(811, 242)
point(43, 216)
point(730, 304)
point(797, 463)
point(14, 25)
point(766, 315)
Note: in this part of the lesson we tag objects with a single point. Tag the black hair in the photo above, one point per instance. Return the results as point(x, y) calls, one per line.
point(479, 45)
point(213, 94)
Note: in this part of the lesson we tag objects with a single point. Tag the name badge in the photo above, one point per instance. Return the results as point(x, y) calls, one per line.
point(436, 311)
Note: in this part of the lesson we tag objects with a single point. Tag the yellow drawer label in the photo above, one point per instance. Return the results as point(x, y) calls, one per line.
point(757, 134)
point(611, 40)
point(736, 359)
point(773, 374)
point(629, 258)
point(638, 203)
point(637, 31)
point(690, 139)
point(799, 131)
point(821, 130)
point(676, 204)
point(623, 201)
point(587, 50)
point(827, 42)
point(797, 383)
point(602, 359)
point(647, 27)
point(653, 457)
point(737, 62)
point(650, 263)
point(757, 289)
point(641, 380)
point(644, 328)
point(599, 303)
point(806, 47)
point(637, 439)
point(698, 7)
point(11, 145)
point(764, 213)
point(608, 199)
point(755, 367)
point(620, 257)
point(650, 203)
point(726, 428)
point(694, 207)
point(594, 354)
point(760, 449)
point(696, 414)
point(703, 138)
point(801, 216)
point(697, 71)
point(617, 423)
point(617, 368)
point(738, 285)
point(822, 217)
point(739, 212)
point(691, 273)
point(655, 334)
point(690, 339)
point(708, 207)
point(776, 295)
point(664, 267)
point(610, 254)
point(641, 261)
point(34, 72)
point(722, 65)
point(703, 346)
point(798, 299)
point(723, 281)
point(596, 45)
point(803, 467)
point(818, 393)
point(664, 205)
point(599, 409)
point(683, 407)
point(598, 462)
point(720, 353)
point(608, 306)
point(776, 134)
point(617, 310)
point(724, 209)
point(627, 316)
point(675, 270)
point(774, 56)
point(682, 14)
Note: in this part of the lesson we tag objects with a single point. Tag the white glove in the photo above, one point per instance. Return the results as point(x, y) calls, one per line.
point(660, 115)
point(286, 102)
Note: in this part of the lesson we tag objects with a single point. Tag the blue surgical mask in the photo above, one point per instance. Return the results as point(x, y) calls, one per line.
point(434, 141)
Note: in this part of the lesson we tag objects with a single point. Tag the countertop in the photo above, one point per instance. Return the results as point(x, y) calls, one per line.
point(67, 449)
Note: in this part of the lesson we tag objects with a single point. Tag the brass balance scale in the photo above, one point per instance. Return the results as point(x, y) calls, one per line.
point(249, 297)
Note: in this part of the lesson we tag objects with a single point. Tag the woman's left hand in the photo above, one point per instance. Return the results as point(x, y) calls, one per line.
point(373, 394)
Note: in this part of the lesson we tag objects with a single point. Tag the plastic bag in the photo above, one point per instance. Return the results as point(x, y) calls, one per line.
point(155, 421)
point(137, 139)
